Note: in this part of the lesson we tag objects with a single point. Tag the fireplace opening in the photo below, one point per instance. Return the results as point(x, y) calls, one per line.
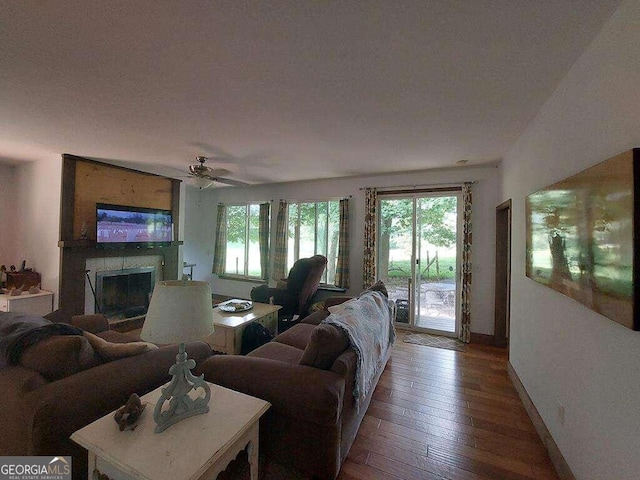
point(125, 293)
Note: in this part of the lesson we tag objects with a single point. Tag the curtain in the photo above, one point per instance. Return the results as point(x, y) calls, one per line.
point(220, 253)
point(467, 240)
point(369, 267)
point(263, 239)
point(280, 251)
point(342, 269)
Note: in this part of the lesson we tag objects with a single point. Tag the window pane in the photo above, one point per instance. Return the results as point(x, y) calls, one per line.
point(293, 233)
point(307, 230)
point(333, 240)
point(254, 269)
point(321, 230)
point(236, 224)
point(314, 230)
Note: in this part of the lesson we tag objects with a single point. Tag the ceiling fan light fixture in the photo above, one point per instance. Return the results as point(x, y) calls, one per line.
point(201, 182)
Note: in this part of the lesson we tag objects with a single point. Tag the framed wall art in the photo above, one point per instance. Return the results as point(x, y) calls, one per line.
point(581, 240)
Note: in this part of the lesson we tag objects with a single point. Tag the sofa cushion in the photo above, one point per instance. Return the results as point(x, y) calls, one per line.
point(326, 343)
point(119, 337)
point(60, 356)
point(109, 351)
point(278, 351)
point(296, 336)
point(94, 323)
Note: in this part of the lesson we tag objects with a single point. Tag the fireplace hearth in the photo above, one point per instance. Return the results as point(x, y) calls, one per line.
point(124, 293)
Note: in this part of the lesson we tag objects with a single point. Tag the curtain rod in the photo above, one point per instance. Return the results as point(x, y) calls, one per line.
point(326, 199)
point(422, 185)
point(252, 202)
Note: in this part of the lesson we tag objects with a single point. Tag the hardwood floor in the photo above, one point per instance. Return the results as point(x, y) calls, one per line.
point(442, 414)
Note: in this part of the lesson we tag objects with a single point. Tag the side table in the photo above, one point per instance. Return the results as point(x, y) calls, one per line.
point(227, 336)
point(31, 303)
point(197, 448)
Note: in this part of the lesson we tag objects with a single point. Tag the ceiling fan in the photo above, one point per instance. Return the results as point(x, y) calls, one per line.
point(204, 176)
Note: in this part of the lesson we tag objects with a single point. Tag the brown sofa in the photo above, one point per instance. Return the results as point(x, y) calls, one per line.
point(314, 419)
point(42, 407)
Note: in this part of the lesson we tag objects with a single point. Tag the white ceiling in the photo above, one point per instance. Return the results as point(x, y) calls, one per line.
point(283, 90)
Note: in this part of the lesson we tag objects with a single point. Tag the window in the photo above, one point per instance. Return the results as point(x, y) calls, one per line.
point(243, 249)
point(314, 229)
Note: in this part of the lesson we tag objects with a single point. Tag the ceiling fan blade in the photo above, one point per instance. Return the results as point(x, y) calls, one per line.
point(229, 181)
point(218, 154)
point(203, 170)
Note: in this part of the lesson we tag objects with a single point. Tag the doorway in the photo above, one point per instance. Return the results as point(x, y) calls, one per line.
point(419, 254)
point(503, 274)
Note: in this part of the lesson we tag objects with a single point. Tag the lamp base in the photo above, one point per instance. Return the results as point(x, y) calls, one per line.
point(176, 393)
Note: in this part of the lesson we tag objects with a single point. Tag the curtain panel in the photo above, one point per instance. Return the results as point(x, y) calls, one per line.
point(467, 241)
point(220, 253)
point(263, 239)
point(280, 250)
point(342, 268)
point(370, 225)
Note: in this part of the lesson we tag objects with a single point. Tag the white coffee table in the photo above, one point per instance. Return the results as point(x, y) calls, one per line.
point(227, 336)
point(197, 448)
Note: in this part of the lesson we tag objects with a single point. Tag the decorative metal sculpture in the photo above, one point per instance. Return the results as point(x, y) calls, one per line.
point(181, 405)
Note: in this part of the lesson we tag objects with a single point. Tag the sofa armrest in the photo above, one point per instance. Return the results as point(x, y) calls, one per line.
point(297, 391)
point(90, 323)
point(335, 300)
point(17, 383)
point(60, 408)
point(315, 318)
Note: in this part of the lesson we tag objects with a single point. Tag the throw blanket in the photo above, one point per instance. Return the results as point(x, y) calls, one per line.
point(367, 322)
point(19, 331)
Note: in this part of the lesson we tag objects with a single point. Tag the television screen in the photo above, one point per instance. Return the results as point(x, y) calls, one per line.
point(118, 224)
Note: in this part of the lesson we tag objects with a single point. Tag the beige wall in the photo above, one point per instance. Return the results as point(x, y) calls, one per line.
point(563, 352)
point(9, 212)
point(37, 231)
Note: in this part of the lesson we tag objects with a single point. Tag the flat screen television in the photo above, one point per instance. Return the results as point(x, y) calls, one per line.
point(121, 226)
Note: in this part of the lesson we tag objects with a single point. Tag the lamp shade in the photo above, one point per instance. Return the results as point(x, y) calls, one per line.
point(180, 311)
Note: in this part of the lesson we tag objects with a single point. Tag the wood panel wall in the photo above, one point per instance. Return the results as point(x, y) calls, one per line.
point(102, 183)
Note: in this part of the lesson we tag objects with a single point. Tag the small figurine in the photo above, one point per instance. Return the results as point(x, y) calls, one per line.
point(14, 292)
point(127, 417)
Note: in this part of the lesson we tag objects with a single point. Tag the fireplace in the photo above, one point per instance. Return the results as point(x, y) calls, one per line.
point(124, 293)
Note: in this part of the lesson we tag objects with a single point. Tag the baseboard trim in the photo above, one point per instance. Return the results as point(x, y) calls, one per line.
point(560, 464)
point(482, 338)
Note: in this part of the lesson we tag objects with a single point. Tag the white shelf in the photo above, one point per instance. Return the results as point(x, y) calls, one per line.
point(30, 303)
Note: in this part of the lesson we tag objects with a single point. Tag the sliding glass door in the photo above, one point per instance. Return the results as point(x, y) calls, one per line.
point(419, 256)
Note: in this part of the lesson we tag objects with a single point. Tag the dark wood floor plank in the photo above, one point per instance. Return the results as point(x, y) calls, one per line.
point(442, 414)
point(404, 471)
point(356, 471)
point(412, 453)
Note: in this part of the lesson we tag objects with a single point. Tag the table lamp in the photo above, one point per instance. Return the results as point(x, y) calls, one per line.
point(180, 311)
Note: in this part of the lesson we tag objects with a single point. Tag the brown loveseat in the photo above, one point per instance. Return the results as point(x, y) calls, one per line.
point(42, 407)
point(314, 418)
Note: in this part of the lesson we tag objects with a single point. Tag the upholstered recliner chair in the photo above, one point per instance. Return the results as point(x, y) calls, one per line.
point(295, 298)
